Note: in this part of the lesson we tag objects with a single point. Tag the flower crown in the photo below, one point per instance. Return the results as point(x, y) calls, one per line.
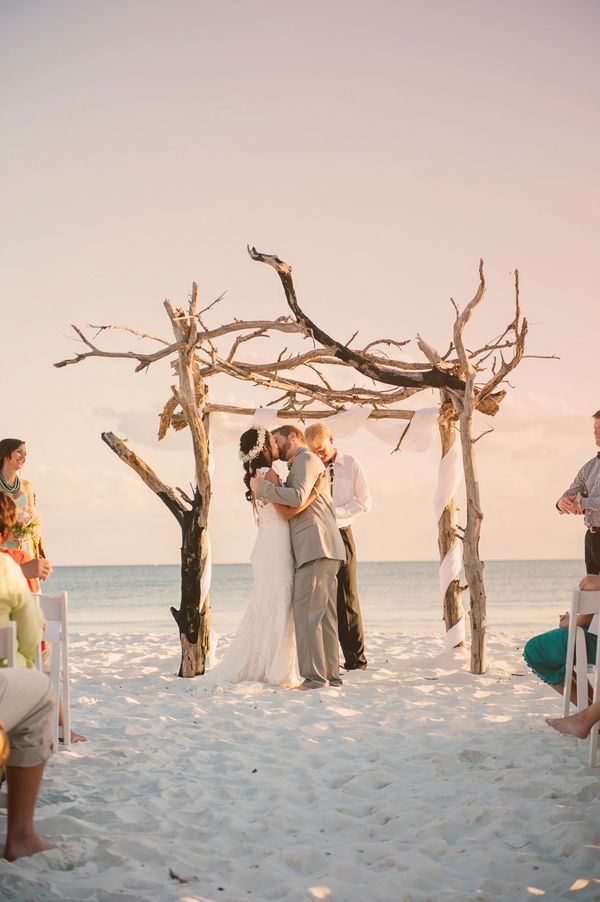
point(257, 448)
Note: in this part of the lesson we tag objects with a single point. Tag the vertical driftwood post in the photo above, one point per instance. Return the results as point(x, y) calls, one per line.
point(447, 534)
point(473, 565)
point(192, 618)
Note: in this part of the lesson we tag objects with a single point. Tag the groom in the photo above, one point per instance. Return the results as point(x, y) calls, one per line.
point(318, 550)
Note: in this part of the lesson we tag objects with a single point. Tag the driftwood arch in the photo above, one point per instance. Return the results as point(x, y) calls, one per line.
point(467, 380)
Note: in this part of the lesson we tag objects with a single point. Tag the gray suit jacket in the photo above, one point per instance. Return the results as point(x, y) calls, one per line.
point(314, 532)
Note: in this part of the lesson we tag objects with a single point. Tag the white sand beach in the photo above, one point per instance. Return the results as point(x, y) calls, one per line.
point(414, 781)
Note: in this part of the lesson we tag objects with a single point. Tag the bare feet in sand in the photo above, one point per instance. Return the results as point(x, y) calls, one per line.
point(22, 846)
point(575, 725)
point(75, 737)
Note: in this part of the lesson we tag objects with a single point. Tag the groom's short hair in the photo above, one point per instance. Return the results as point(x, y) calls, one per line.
point(290, 430)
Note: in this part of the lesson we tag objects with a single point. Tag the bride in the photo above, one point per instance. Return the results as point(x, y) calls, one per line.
point(264, 647)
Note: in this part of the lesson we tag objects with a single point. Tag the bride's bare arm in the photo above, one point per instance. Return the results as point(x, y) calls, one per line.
point(288, 512)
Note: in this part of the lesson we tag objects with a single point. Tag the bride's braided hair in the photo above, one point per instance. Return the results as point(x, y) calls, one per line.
point(263, 459)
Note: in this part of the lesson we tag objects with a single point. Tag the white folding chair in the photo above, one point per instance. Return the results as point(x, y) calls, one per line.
point(8, 644)
point(54, 609)
point(583, 603)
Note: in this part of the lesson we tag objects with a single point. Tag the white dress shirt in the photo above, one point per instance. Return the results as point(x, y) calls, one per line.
point(351, 495)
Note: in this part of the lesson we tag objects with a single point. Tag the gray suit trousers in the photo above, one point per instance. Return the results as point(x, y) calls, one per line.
point(314, 604)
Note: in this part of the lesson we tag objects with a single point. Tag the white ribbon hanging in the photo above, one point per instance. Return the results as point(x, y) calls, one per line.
point(417, 434)
point(449, 481)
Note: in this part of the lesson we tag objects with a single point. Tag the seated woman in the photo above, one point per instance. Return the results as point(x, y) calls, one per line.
point(16, 602)
point(546, 654)
point(27, 706)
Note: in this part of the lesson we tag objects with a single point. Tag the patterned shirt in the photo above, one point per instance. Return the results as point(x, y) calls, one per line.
point(587, 482)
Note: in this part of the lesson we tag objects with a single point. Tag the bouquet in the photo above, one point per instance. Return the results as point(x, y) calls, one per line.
point(27, 528)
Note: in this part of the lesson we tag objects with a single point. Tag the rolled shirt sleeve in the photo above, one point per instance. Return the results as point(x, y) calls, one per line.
point(352, 495)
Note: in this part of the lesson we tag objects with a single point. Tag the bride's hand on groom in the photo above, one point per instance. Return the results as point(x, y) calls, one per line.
point(270, 476)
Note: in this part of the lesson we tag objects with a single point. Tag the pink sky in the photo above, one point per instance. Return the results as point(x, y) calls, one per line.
point(381, 149)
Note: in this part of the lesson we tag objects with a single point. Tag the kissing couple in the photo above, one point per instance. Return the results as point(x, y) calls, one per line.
point(288, 635)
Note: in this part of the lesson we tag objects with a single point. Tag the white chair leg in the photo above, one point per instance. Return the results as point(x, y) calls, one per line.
point(582, 671)
point(595, 697)
point(570, 654)
point(65, 694)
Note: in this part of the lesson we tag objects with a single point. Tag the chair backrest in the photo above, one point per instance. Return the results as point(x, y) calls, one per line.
point(588, 603)
point(54, 609)
point(8, 644)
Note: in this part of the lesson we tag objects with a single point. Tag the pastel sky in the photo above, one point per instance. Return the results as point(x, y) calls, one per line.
point(381, 148)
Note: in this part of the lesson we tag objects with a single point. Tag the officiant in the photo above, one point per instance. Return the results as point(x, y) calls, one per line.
point(351, 497)
point(583, 498)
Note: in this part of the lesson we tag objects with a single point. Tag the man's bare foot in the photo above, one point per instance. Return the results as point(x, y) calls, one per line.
point(75, 737)
point(26, 845)
point(574, 725)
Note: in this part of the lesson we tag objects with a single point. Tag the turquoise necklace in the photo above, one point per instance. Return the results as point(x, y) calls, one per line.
point(11, 489)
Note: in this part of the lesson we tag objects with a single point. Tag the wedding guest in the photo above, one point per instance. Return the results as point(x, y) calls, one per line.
point(583, 498)
point(351, 497)
point(546, 654)
point(25, 535)
point(26, 713)
point(16, 603)
point(33, 569)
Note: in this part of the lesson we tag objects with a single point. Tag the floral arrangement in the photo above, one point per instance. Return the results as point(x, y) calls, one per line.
point(261, 437)
point(27, 527)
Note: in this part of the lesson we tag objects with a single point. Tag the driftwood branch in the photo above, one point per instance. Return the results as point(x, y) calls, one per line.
point(430, 378)
point(146, 474)
point(311, 414)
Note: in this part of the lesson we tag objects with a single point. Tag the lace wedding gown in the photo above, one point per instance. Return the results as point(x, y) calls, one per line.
point(264, 647)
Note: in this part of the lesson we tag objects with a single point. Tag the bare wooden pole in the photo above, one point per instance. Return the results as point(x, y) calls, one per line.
point(473, 564)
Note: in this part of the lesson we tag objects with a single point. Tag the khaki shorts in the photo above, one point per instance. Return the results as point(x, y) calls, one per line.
point(27, 707)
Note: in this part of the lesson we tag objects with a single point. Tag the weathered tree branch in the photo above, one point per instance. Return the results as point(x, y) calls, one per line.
point(146, 474)
point(431, 378)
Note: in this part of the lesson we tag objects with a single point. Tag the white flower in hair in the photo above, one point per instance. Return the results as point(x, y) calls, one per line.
point(257, 448)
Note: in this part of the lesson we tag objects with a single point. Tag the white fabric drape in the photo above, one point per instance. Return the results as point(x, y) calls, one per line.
point(450, 476)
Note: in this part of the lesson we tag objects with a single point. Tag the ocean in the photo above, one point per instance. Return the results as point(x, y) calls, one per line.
point(396, 596)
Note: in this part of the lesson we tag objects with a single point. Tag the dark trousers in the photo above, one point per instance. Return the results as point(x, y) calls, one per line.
point(592, 552)
point(350, 627)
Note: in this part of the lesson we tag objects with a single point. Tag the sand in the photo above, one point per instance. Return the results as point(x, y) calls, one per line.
point(414, 781)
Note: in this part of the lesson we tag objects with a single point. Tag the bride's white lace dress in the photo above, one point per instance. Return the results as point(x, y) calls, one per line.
point(264, 647)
